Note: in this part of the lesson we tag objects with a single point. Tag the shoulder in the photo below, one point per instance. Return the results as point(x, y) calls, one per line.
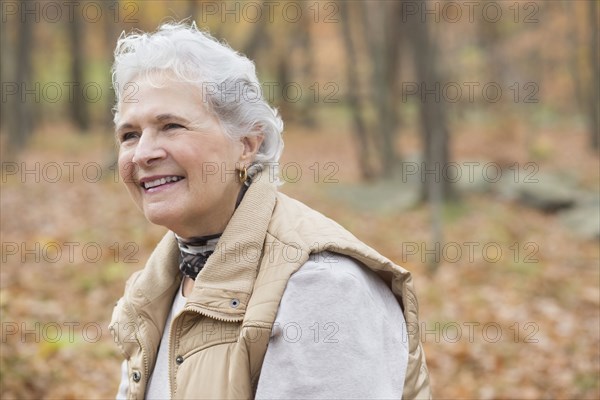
point(334, 283)
point(331, 269)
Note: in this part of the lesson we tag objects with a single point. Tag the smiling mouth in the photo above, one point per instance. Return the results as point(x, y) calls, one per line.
point(161, 181)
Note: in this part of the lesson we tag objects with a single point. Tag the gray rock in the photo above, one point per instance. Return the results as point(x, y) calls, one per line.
point(383, 196)
point(473, 176)
point(584, 219)
point(546, 192)
point(465, 176)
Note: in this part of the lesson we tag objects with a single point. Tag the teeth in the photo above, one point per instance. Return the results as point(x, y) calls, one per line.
point(161, 181)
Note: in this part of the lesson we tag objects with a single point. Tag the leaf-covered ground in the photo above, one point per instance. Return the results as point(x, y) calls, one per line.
point(520, 324)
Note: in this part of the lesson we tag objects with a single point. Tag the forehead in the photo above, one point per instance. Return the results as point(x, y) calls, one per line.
point(155, 95)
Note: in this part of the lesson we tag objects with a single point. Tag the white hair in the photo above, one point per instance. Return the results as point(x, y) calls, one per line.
point(226, 79)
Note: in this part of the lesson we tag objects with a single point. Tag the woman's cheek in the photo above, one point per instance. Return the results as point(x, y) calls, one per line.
point(126, 167)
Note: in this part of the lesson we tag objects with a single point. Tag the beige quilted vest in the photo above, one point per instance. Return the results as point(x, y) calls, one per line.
point(218, 342)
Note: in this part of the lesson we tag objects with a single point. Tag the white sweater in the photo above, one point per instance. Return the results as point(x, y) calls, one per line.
point(339, 333)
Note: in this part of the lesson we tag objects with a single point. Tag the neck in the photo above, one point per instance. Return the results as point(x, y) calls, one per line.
point(201, 230)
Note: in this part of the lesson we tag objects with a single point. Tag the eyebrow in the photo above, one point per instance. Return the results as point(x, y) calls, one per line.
point(123, 127)
point(159, 118)
point(164, 117)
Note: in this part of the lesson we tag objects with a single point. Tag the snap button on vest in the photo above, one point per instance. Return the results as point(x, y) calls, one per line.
point(234, 303)
point(179, 360)
point(136, 375)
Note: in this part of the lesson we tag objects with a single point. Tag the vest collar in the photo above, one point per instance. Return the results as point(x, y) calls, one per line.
point(223, 287)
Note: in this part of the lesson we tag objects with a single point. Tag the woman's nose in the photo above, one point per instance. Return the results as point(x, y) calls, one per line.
point(148, 150)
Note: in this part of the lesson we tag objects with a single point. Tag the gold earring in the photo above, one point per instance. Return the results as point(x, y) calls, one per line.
point(243, 174)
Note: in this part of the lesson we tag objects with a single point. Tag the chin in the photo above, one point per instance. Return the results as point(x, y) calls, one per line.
point(161, 218)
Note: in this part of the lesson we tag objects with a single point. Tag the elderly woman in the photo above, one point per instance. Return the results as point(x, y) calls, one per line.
point(250, 294)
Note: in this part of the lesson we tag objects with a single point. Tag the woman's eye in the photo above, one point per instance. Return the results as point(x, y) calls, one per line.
point(128, 136)
point(172, 126)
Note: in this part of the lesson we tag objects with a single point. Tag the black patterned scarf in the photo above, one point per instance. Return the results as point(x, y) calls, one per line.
point(194, 253)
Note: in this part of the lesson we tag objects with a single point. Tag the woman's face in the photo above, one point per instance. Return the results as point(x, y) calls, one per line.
point(175, 160)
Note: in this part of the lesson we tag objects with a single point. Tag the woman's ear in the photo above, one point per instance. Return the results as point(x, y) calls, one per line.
point(251, 145)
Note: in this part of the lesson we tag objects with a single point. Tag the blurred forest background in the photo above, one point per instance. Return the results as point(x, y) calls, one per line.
point(458, 138)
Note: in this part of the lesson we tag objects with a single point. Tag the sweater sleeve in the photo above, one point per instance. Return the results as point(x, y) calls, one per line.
point(339, 333)
point(124, 385)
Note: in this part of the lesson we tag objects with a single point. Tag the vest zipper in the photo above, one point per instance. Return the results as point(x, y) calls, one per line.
point(212, 314)
point(169, 372)
point(133, 315)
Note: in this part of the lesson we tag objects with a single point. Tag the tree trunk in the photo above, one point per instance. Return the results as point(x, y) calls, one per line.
point(354, 102)
point(112, 30)
point(433, 113)
point(435, 134)
point(283, 79)
point(192, 10)
point(258, 38)
point(23, 106)
point(573, 61)
point(7, 73)
point(78, 105)
point(594, 101)
point(381, 33)
point(308, 106)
